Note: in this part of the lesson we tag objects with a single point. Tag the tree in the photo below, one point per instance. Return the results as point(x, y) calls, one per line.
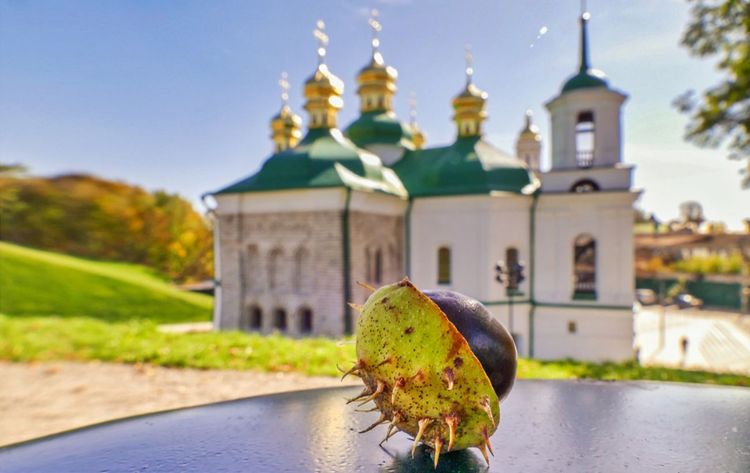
point(722, 114)
point(88, 216)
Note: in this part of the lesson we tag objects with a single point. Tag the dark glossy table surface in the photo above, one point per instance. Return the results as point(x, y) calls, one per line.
point(546, 426)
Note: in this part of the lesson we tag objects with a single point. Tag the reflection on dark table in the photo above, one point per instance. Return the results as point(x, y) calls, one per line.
point(546, 426)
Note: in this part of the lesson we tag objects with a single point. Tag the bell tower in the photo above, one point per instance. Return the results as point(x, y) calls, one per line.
point(585, 117)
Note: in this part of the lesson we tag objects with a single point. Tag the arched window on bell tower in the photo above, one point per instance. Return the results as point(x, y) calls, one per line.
point(585, 139)
point(584, 267)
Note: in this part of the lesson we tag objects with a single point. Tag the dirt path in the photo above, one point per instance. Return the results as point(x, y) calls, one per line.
point(44, 398)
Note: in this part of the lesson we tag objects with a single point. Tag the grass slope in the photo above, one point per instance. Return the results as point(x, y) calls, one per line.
point(41, 283)
point(55, 307)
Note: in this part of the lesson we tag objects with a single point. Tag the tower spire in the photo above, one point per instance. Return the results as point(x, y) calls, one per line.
point(584, 59)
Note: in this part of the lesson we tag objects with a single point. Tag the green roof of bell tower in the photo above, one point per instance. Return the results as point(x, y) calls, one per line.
point(587, 77)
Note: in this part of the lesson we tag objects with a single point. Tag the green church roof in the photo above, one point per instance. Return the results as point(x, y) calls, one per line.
point(468, 166)
point(585, 80)
point(586, 77)
point(379, 127)
point(324, 158)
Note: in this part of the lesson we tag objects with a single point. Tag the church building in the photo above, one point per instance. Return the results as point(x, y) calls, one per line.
point(371, 203)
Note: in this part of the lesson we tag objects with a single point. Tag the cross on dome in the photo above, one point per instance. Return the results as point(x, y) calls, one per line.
point(375, 26)
point(469, 57)
point(320, 34)
point(284, 86)
point(413, 108)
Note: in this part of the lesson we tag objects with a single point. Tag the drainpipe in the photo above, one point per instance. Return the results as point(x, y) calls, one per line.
point(532, 269)
point(348, 326)
point(407, 238)
point(214, 219)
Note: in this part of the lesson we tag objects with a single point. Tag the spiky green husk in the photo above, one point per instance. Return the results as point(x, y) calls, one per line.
point(421, 373)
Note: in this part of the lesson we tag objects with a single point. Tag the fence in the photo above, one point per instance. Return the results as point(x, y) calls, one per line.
point(720, 295)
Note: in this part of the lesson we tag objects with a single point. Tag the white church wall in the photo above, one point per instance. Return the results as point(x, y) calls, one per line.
point(281, 224)
point(594, 334)
point(610, 178)
point(376, 203)
point(518, 326)
point(375, 237)
point(279, 201)
point(608, 218)
point(478, 230)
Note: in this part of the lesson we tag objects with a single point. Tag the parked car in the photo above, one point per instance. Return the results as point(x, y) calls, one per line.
point(688, 301)
point(646, 296)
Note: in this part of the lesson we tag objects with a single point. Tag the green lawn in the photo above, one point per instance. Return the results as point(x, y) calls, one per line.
point(81, 338)
point(55, 307)
point(41, 283)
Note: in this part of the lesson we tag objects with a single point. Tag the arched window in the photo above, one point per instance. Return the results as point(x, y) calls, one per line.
point(279, 320)
point(377, 276)
point(585, 132)
point(511, 263)
point(305, 320)
point(584, 267)
point(584, 185)
point(444, 265)
point(274, 269)
point(251, 318)
point(302, 278)
point(250, 269)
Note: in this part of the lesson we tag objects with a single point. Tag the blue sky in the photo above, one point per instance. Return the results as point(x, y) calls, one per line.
point(177, 95)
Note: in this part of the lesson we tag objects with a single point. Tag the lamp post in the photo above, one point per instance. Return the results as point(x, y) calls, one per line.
point(510, 277)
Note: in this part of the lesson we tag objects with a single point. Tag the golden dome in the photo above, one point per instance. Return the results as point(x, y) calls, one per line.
point(377, 80)
point(530, 130)
point(286, 126)
point(323, 90)
point(470, 105)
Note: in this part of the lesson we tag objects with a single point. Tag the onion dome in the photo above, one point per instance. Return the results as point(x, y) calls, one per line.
point(324, 158)
point(530, 130)
point(377, 123)
point(286, 125)
point(377, 80)
point(529, 144)
point(323, 90)
point(470, 105)
point(587, 77)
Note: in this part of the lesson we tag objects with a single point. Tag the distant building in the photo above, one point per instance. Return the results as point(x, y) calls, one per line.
point(371, 203)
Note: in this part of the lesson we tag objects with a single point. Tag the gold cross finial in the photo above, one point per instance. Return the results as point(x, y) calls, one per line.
point(375, 27)
point(413, 108)
point(469, 63)
point(284, 86)
point(322, 37)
